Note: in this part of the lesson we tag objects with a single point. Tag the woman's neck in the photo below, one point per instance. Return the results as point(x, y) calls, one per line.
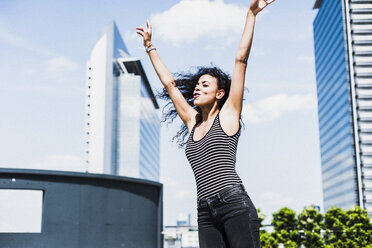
point(207, 112)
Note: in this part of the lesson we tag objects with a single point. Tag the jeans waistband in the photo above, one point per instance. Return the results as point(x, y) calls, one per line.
point(221, 193)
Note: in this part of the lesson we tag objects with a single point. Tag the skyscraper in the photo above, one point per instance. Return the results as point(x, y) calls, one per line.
point(122, 127)
point(343, 60)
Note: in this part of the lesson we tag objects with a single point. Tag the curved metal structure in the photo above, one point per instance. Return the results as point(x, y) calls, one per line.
point(89, 210)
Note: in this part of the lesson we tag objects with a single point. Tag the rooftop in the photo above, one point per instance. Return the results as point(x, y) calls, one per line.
point(317, 4)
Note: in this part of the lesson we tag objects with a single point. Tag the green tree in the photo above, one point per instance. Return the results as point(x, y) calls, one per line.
point(261, 217)
point(347, 229)
point(310, 226)
point(358, 228)
point(285, 228)
point(266, 239)
point(342, 229)
point(334, 224)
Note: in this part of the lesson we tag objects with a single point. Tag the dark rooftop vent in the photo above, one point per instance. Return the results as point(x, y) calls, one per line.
point(131, 68)
point(317, 4)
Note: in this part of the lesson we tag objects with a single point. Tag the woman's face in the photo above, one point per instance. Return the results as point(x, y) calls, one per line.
point(206, 91)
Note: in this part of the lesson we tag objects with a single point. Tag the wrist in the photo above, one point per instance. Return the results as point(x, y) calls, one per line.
point(150, 48)
point(148, 44)
point(251, 13)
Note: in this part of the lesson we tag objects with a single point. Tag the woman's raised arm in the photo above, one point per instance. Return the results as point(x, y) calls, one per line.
point(234, 102)
point(184, 110)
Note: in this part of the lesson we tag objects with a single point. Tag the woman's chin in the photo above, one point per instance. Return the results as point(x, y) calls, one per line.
point(198, 104)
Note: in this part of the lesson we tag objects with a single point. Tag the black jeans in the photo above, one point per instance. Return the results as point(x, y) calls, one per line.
point(228, 220)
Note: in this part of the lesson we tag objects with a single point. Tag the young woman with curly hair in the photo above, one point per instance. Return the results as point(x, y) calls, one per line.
point(209, 103)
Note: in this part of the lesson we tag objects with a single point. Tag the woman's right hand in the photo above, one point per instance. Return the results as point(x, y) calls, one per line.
point(145, 33)
point(258, 5)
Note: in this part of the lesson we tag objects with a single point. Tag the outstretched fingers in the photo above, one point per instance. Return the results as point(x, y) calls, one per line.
point(142, 29)
point(149, 28)
point(269, 1)
point(145, 32)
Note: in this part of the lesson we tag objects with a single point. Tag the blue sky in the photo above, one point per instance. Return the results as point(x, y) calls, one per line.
point(44, 46)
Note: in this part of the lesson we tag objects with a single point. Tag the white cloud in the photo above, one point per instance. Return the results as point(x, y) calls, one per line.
point(61, 162)
point(131, 36)
point(190, 20)
point(168, 181)
point(274, 200)
point(15, 40)
point(258, 52)
point(185, 195)
point(135, 41)
point(275, 106)
point(269, 202)
point(303, 58)
point(55, 66)
point(60, 65)
point(177, 189)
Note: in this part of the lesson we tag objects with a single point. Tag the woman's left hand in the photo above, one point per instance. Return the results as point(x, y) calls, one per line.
point(258, 5)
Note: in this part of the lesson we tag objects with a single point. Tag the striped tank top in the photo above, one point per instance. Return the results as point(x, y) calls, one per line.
point(212, 159)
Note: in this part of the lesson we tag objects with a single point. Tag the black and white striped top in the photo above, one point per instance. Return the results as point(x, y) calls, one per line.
point(213, 159)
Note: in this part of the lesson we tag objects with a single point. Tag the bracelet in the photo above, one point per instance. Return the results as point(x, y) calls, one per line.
point(148, 49)
point(149, 45)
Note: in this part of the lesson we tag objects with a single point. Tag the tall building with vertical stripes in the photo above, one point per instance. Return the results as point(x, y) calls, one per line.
point(122, 127)
point(343, 61)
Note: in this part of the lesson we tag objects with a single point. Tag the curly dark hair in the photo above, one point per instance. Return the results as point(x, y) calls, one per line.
point(186, 82)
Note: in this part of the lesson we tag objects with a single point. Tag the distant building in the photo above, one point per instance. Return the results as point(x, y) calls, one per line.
point(316, 207)
point(343, 59)
point(122, 127)
point(184, 219)
point(183, 235)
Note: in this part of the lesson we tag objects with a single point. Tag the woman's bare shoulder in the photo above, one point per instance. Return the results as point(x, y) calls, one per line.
point(229, 121)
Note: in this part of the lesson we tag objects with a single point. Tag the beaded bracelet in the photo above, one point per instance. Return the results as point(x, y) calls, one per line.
point(150, 48)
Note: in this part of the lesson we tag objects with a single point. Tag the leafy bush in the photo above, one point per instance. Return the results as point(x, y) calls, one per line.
point(338, 228)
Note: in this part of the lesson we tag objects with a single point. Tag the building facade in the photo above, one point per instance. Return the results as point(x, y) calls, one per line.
point(343, 61)
point(122, 126)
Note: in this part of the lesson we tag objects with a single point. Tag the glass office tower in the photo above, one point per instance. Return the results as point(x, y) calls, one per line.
point(122, 127)
point(343, 60)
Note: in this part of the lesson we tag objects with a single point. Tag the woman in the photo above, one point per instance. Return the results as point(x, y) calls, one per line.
point(210, 105)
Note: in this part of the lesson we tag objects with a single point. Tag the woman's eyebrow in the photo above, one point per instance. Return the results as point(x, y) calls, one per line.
point(202, 82)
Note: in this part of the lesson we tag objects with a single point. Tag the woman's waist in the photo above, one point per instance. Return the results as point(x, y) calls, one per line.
point(236, 188)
